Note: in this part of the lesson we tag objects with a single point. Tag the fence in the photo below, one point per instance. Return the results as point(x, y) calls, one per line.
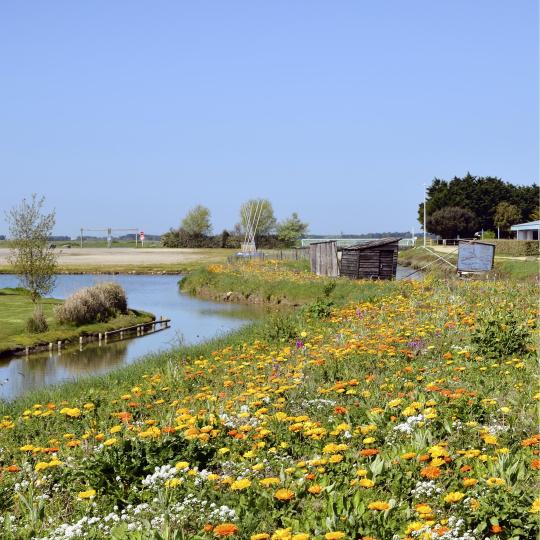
point(293, 254)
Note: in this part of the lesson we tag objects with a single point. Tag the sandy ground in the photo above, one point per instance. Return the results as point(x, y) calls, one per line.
point(130, 256)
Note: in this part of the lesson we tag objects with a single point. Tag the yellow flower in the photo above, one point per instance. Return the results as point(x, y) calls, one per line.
point(408, 455)
point(239, 485)
point(423, 509)
point(173, 482)
point(361, 472)
point(492, 482)
point(259, 536)
point(337, 535)
point(378, 505)
point(284, 494)
point(300, 536)
point(181, 465)
point(468, 482)
point(115, 429)
point(110, 442)
point(315, 490)
point(73, 413)
point(335, 458)
point(88, 494)
point(366, 483)
point(535, 507)
point(41, 465)
point(454, 497)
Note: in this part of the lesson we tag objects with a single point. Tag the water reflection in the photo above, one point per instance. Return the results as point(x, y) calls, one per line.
point(192, 321)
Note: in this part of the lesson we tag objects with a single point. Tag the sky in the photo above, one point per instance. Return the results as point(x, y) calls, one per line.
point(129, 113)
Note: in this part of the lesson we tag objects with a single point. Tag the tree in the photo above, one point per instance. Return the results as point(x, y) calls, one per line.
point(452, 221)
point(480, 195)
point(506, 215)
point(197, 221)
point(266, 222)
point(31, 256)
point(290, 230)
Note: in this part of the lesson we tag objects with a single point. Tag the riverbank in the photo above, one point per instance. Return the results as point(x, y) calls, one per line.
point(525, 269)
point(352, 419)
point(16, 307)
point(288, 283)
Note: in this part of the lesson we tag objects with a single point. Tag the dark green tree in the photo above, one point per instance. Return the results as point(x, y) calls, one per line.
point(452, 221)
point(480, 195)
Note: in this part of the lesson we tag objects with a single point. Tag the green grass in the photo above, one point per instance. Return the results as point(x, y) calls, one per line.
point(16, 307)
point(261, 284)
point(519, 270)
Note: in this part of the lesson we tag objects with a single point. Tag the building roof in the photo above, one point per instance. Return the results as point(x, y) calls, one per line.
point(372, 243)
point(531, 225)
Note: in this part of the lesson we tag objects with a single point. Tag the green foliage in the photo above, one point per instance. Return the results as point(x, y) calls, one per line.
point(499, 333)
point(197, 221)
point(452, 221)
point(290, 230)
point(266, 223)
point(517, 248)
point(489, 235)
point(480, 195)
point(280, 327)
point(37, 323)
point(31, 257)
point(506, 215)
point(320, 309)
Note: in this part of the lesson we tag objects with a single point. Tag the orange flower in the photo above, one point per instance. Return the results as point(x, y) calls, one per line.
point(284, 494)
point(465, 468)
point(225, 529)
point(531, 441)
point(369, 452)
point(496, 529)
point(535, 464)
point(12, 468)
point(379, 505)
point(430, 472)
point(340, 410)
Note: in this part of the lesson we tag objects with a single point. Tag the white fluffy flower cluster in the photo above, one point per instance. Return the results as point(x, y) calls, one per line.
point(426, 489)
point(160, 475)
point(409, 425)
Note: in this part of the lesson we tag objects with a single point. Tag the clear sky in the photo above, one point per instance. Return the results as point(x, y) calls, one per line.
point(128, 113)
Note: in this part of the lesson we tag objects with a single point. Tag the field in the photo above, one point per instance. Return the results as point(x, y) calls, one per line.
point(409, 412)
point(128, 259)
point(16, 307)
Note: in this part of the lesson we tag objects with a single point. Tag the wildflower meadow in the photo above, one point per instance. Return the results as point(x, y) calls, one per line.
point(411, 414)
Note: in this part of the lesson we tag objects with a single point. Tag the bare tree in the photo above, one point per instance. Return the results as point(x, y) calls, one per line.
point(31, 256)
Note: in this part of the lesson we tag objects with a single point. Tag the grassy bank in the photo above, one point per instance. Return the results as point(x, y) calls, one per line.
point(275, 282)
point(519, 270)
point(16, 307)
point(409, 412)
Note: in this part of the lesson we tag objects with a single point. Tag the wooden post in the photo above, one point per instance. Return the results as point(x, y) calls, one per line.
point(50, 346)
point(27, 350)
point(80, 340)
point(121, 335)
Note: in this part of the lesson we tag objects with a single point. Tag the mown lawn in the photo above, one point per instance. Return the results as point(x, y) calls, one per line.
point(409, 412)
point(16, 307)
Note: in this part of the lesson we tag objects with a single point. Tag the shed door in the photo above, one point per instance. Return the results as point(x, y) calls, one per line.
point(386, 262)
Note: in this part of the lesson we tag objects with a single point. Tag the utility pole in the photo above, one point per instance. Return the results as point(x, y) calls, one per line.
point(425, 237)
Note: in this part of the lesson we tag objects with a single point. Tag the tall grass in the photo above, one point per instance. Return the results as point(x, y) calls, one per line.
point(93, 304)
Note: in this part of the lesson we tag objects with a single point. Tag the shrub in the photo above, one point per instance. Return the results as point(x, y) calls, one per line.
point(517, 248)
point(93, 304)
point(37, 322)
point(499, 334)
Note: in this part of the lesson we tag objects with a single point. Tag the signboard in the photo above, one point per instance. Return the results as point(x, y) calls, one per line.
point(141, 236)
point(475, 257)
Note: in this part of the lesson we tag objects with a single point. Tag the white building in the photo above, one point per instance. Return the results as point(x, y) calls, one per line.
point(527, 231)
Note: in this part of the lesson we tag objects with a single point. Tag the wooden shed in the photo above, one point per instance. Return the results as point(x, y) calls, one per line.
point(374, 259)
point(324, 259)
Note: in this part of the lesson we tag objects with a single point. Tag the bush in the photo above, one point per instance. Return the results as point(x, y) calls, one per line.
point(499, 334)
point(93, 304)
point(37, 322)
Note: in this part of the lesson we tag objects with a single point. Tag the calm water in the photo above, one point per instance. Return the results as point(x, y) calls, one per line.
point(193, 321)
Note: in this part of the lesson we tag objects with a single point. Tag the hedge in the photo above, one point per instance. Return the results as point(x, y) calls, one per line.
point(516, 248)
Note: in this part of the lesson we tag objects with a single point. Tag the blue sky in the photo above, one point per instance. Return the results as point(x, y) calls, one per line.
point(128, 113)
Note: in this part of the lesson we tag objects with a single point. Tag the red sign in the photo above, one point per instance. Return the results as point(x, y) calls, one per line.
point(141, 235)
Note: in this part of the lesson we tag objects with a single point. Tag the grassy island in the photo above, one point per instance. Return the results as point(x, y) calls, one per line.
point(16, 307)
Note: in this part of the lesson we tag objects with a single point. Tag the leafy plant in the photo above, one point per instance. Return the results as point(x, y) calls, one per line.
point(499, 334)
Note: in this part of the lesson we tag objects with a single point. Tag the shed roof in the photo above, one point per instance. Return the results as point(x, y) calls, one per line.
point(371, 243)
point(531, 225)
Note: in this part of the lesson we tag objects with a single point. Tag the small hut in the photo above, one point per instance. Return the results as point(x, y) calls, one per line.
point(374, 259)
point(323, 258)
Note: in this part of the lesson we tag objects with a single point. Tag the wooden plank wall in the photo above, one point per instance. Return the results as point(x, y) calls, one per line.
point(375, 263)
point(323, 259)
